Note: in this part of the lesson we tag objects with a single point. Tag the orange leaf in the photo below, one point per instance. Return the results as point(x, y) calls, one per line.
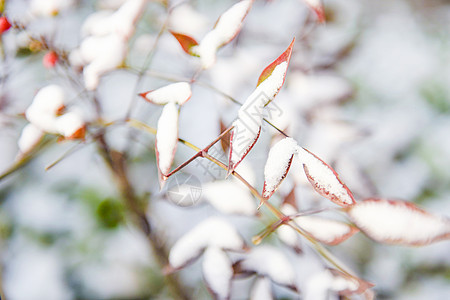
point(284, 57)
point(185, 41)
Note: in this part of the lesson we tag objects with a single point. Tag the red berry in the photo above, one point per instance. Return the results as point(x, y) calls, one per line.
point(4, 24)
point(50, 59)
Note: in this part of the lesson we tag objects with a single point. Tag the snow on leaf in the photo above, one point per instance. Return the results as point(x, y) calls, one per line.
point(227, 27)
point(185, 41)
point(213, 232)
point(229, 197)
point(261, 289)
point(347, 285)
point(317, 7)
point(276, 265)
point(46, 105)
point(242, 139)
point(179, 93)
point(330, 232)
point(29, 138)
point(320, 284)
point(324, 179)
point(120, 22)
point(284, 57)
point(247, 126)
point(217, 272)
point(70, 125)
point(166, 139)
point(398, 222)
point(278, 164)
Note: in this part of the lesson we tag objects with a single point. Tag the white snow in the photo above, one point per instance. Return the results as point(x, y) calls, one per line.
point(398, 222)
point(167, 137)
point(226, 29)
point(277, 164)
point(324, 180)
point(101, 54)
point(217, 272)
point(69, 123)
point(105, 44)
point(178, 93)
point(212, 232)
point(121, 22)
point(261, 289)
point(229, 197)
point(319, 285)
point(270, 261)
point(49, 8)
point(29, 138)
point(325, 230)
point(44, 108)
point(49, 99)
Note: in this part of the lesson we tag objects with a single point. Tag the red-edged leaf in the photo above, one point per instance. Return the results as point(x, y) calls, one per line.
point(179, 93)
point(277, 165)
point(227, 27)
point(166, 140)
point(186, 41)
point(284, 57)
point(229, 23)
point(325, 180)
point(330, 232)
point(398, 222)
point(352, 285)
point(317, 7)
point(242, 139)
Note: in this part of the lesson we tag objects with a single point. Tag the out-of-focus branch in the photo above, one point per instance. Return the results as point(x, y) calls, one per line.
point(117, 164)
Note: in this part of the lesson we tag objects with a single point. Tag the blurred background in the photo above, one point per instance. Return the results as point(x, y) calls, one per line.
point(368, 92)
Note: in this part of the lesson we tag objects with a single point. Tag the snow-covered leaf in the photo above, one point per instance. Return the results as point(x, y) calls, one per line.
point(327, 231)
point(213, 232)
point(398, 222)
point(347, 285)
point(320, 284)
point(186, 41)
point(49, 8)
point(324, 179)
point(278, 164)
point(71, 125)
point(217, 272)
point(247, 126)
point(229, 197)
point(330, 232)
point(242, 139)
point(120, 22)
point(46, 105)
point(271, 262)
point(178, 93)
point(317, 7)
point(285, 57)
point(29, 138)
point(226, 28)
point(166, 139)
point(262, 289)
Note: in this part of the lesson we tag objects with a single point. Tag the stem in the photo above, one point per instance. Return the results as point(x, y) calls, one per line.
point(117, 165)
point(200, 153)
point(282, 217)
